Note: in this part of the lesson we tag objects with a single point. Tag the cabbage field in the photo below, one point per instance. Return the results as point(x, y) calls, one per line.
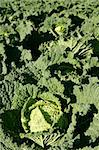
point(49, 74)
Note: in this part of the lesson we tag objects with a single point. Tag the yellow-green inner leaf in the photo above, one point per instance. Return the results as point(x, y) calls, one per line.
point(37, 121)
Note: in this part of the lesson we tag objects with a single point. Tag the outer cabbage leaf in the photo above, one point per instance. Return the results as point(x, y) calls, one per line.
point(88, 93)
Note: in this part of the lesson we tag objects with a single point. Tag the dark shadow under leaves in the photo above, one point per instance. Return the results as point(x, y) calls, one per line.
point(37, 19)
point(13, 55)
point(28, 78)
point(63, 67)
point(33, 41)
point(94, 72)
point(11, 124)
point(95, 45)
point(68, 87)
point(83, 123)
point(75, 22)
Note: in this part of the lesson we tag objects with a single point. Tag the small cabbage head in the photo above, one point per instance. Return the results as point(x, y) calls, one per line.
point(60, 29)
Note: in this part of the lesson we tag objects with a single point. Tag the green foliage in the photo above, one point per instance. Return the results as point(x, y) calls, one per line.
point(88, 94)
point(24, 28)
point(49, 75)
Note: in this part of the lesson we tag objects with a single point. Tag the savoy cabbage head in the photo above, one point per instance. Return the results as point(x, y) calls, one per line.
point(39, 118)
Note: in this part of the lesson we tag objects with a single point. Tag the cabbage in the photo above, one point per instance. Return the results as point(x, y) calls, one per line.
point(41, 117)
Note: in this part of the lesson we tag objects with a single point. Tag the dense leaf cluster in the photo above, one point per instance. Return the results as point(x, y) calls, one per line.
point(49, 75)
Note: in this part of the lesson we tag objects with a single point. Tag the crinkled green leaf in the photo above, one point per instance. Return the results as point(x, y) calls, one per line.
point(24, 28)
